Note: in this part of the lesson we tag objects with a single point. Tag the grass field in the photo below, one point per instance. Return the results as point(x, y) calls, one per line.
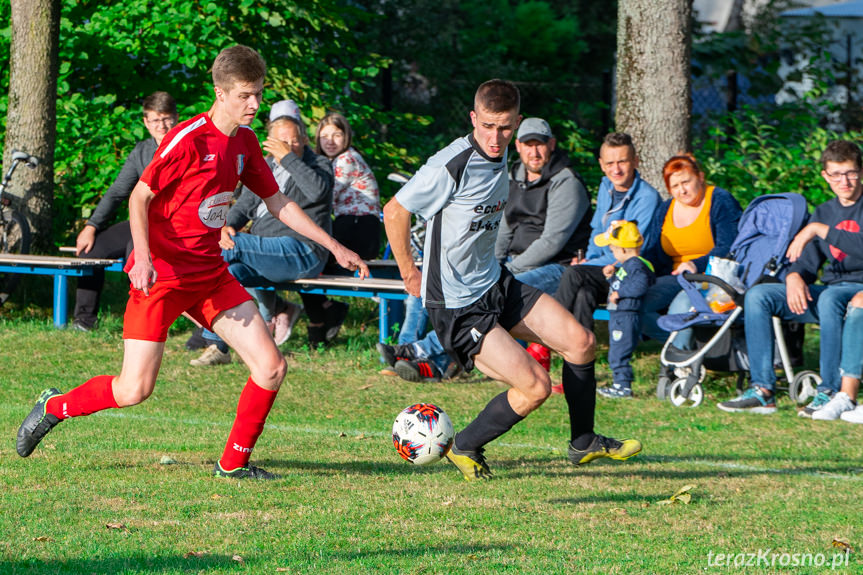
point(100, 494)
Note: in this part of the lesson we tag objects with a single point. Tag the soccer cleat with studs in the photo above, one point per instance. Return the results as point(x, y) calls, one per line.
point(392, 353)
point(603, 446)
point(37, 424)
point(472, 464)
point(248, 472)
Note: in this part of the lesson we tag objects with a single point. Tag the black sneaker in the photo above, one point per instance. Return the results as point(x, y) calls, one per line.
point(754, 400)
point(197, 341)
point(603, 446)
point(37, 424)
point(334, 318)
point(79, 325)
point(471, 463)
point(392, 353)
point(418, 370)
point(249, 472)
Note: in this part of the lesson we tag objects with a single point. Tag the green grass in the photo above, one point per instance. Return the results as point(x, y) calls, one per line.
point(348, 504)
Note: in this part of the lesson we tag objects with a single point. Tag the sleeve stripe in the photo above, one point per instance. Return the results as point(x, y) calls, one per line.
point(194, 125)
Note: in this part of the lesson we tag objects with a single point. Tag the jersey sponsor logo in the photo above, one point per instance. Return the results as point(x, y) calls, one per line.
point(484, 226)
point(213, 210)
point(475, 334)
point(241, 449)
point(240, 164)
point(489, 209)
point(847, 226)
point(209, 157)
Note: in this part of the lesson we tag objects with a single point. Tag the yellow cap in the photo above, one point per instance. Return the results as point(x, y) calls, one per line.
point(622, 234)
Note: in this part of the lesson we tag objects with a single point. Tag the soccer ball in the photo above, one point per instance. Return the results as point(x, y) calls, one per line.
point(423, 433)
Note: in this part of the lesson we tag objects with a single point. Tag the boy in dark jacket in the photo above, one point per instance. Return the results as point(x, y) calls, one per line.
point(628, 282)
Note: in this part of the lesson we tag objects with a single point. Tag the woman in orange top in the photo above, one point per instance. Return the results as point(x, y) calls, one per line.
point(697, 222)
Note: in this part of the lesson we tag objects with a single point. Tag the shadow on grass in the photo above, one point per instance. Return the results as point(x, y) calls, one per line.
point(133, 563)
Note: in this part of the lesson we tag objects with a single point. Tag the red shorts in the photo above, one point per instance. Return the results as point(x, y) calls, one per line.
point(202, 297)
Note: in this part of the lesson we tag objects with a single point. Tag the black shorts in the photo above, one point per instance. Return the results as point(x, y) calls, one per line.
point(461, 330)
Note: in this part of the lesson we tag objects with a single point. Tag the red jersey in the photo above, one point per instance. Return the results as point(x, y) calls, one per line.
point(193, 175)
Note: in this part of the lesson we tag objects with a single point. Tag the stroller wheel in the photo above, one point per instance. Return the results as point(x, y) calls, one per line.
point(662, 387)
point(677, 394)
point(802, 387)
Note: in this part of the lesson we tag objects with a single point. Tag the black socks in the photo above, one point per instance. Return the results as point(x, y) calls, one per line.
point(493, 421)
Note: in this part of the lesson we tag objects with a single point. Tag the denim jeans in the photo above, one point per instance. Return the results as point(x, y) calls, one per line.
point(430, 348)
point(665, 293)
point(852, 351)
point(827, 308)
point(416, 318)
point(259, 261)
point(544, 278)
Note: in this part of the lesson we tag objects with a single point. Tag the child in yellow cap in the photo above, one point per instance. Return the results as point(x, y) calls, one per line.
point(628, 278)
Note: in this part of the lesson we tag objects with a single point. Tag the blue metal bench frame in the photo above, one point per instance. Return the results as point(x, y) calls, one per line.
point(60, 268)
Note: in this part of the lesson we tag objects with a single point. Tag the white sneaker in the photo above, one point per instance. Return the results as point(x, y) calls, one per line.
point(284, 322)
point(853, 416)
point(838, 404)
point(212, 356)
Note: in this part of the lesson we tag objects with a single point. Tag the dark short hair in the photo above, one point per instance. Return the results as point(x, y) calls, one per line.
point(160, 102)
point(841, 151)
point(497, 96)
point(618, 140)
point(238, 64)
point(337, 120)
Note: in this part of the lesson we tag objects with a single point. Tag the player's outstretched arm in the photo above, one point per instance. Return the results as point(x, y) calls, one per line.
point(142, 275)
point(289, 213)
point(397, 221)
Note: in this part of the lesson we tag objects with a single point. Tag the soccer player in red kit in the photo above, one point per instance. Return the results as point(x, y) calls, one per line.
point(176, 212)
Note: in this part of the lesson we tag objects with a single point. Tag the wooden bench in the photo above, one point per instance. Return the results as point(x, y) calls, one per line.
point(385, 284)
point(60, 268)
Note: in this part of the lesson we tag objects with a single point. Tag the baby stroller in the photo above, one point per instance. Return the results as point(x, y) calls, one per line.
point(766, 228)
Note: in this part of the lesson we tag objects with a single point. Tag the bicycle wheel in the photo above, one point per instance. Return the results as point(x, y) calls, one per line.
point(14, 239)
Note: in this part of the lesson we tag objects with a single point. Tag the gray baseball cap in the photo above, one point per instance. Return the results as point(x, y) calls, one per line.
point(285, 108)
point(534, 129)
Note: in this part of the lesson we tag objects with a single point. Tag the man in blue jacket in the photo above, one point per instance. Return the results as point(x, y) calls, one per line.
point(622, 195)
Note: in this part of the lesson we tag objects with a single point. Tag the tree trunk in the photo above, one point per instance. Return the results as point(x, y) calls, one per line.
point(654, 39)
point(31, 120)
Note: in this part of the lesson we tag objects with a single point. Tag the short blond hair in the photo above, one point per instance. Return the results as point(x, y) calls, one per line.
point(238, 64)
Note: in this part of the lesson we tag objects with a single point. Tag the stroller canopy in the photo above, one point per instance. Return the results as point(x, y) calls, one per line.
point(766, 228)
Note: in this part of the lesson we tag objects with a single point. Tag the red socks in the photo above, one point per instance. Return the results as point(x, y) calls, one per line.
point(92, 396)
point(252, 410)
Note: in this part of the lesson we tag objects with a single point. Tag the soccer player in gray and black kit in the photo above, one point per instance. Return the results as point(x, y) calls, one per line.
point(476, 307)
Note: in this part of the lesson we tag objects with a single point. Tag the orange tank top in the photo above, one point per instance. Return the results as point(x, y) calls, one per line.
point(689, 242)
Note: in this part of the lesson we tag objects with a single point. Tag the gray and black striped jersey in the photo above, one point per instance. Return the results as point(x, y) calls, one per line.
point(461, 192)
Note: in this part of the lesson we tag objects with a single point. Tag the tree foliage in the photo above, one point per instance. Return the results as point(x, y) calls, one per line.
point(113, 54)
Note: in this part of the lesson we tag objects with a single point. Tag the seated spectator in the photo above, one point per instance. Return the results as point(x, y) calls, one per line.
point(832, 236)
point(273, 253)
point(843, 405)
point(622, 195)
point(628, 283)
point(99, 239)
point(356, 198)
point(697, 222)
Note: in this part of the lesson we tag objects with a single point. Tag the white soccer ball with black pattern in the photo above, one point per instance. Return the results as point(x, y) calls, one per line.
point(423, 433)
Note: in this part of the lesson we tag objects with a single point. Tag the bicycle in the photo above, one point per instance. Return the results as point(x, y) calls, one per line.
point(14, 229)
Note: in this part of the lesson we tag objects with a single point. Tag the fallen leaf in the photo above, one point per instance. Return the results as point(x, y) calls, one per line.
point(343, 434)
point(282, 569)
point(329, 416)
point(682, 495)
point(194, 554)
point(215, 496)
point(366, 386)
point(167, 460)
point(843, 545)
point(120, 526)
point(360, 436)
point(238, 559)
point(645, 505)
point(619, 510)
point(46, 538)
